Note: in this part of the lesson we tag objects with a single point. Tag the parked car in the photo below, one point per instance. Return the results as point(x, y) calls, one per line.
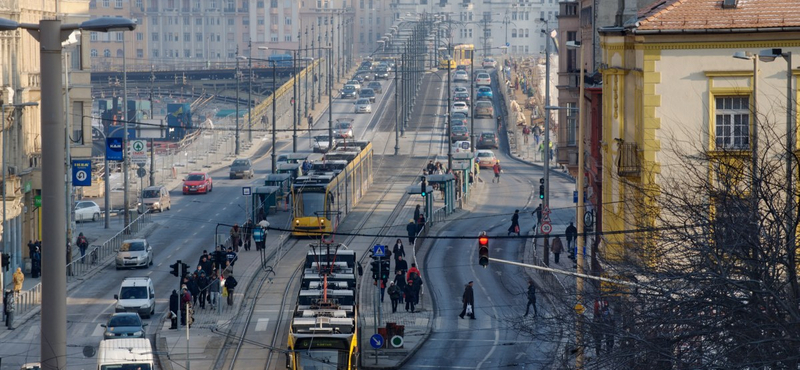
point(355, 82)
point(134, 253)
point(367, 93)
point(461, 76)
point(459, 133)
point(343, 128)
point(483, 79)
point(489, 63)
point(376, 87)
point(124, 325)
point(87, 210)
point(461, 97)
point(241, 168)
point(484, 92)
point(197, 182)
point(349, 92)
point(484, 109)
point(485, 158)
point(323, 143)
point(487, 140)
point(460, 106)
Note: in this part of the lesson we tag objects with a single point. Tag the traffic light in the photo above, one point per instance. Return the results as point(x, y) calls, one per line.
point(6, 261)
point(385, 266)
point(184, 269)
point(176, 267)
point(541, 191)
point(374, 265)
point(483, 250)
point(424, 187)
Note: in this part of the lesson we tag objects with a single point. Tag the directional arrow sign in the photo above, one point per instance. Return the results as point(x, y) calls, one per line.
point(376, 341)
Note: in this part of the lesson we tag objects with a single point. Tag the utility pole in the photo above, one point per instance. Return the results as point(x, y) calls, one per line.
point(473, 95)
point(249, 91)
point(236, 75)
point(152, 80)
point(546, 203)
point(396, 121)
point(126, 158)
point(274, 123)
point(449, 105)
point(296, 106)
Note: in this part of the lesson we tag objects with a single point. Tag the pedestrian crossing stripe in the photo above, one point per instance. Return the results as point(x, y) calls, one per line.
point(261, 325)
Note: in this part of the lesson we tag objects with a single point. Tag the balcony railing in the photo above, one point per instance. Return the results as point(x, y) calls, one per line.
point(628, 162)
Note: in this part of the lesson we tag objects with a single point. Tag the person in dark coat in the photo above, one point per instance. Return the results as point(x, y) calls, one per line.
point(557, 248)
point(247, 233)
point(468, 298)
point(418, 284)
point(394, 295)
point(206, 265)
point(531, 298)
point(205, 254)
point(191, 284)
point(411, 228)
point(398, 251)
point(219, 257)
point(411, 295)
point(417, 212)
point(231, 256)
point(514, 228)
point(401, 265)
point(186, 299)
point(572, 234)
point(420, 222)
point(202, 284)
point(230, 286)
point(174, 308)
point(538, 213)
point(400, 281)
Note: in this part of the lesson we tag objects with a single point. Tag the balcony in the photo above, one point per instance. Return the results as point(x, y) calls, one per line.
point(628, 162)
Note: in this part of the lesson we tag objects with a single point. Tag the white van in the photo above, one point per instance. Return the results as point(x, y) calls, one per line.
point(136, 294)
point(125, 354)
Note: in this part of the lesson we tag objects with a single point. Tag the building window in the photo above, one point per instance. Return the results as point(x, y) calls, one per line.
point(155, 36)
point(514, 49)
point(107, 53)
point(288, 21)
point(93, 53)
point(140, 53)
point(261, 22)
point(572, 123)
point(155, 53)
point(138, 4)
point(527, 32)
point(187, 37)
point(513, 33)
point(513, 16)
point(93, 4)
point(274, 38)
point(246, 21)
point(198, 55)
point(732, 122)
point(287, 38)
point(118, 4)
point(105, 3)
point(93, 36)
point(260, 5)
point(273, 4)
point(198, 21)
point(198, 37)
point(230, 21)
point(187, 53)
point(120, 36)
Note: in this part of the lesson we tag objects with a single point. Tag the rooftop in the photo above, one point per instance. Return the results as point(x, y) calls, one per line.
point(719, 14)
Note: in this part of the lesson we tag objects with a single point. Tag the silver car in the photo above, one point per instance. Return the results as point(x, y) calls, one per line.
point(87, 210)
point(134, 253)
point(363, 106)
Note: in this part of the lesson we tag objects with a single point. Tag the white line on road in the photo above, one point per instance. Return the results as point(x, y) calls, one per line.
point(98, 331)
point(262, 324)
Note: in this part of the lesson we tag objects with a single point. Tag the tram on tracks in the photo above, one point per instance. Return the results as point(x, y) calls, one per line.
point(324, 330)
point(331, 188)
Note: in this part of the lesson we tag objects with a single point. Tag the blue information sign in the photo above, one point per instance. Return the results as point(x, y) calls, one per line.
point(81, 172)
point(376, 341)
point(114, 148)
point(379, 251)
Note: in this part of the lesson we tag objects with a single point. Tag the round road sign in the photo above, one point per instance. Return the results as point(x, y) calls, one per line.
point(376, 341)
point(397, 341)
point(546, 228)
point(81, 175)
point(141, 172)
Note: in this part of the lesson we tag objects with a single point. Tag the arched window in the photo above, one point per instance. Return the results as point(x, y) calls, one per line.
point(513, 32)
point(119, 53)
point(107, 53)
point(93, 53)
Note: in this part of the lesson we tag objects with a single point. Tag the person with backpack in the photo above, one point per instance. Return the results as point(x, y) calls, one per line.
point(83, 244)
point(394, 295)
point(497, 171)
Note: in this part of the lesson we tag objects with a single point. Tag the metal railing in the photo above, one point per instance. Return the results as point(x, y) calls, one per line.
point(79, 267)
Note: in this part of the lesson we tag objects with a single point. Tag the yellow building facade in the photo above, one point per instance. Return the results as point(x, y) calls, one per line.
point(676, 104)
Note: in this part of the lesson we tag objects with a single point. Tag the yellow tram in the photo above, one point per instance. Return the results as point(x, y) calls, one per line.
point(333, 186)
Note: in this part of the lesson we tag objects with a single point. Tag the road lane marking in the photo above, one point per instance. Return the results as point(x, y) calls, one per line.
point(262, 324)
point(98, 331)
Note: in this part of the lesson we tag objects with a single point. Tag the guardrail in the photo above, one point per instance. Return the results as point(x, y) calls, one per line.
point(79, 266)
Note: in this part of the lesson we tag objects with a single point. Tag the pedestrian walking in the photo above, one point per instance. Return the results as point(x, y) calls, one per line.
point(230, 258)
point(514, 228)
point(399, 251)
point(417, 212)
point(236, 237)
point(421, 222)
point(36, 263)
point(468, 301)
point(202, 284)
point(497, 170)
point(603, 325)
point(206, 265)
point(538, 213)
point(247, 233)
point(572, 235)
point(186, 300)
point(413, 271)
point(310, 120)
point(382, 287)
point(174, 308)
point(401, 265)
point(194, 289)
point(83, 244)
point(411, 295)
point(395, 295)
point(531, 298)
point(230, 286)
point(213, 290)
point(18, 278)
point(411, 229)
point(557, 248)
point(220, 258)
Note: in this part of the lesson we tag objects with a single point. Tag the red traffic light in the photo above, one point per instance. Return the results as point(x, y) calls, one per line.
point(483, 250)
point(483, 240)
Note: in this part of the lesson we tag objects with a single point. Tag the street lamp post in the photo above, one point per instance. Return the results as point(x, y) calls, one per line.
point(236, 75)
point(249, 91)
point(396, 114)
point(546, 203)
point(473, 96)
point(51, 33)
point(754, 137)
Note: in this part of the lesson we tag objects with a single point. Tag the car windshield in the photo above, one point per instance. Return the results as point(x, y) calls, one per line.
point(133, 292)
point(375, 85)
point(462, 95)
point(487, 136)
point(150, 193)
point(349, 87)
point(485, 89)
point(459, 129)
point(196, 177)
point(483, 75)
point(322, 138)
point(125, 320)
point(131, 366)
point(367, 93)
point(131, 247)
point(240, 162)
point(484, 104)
point(344, 125)
point(485, 155)
point(363, 101)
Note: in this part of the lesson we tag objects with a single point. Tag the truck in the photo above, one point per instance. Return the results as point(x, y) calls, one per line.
point(125, 354)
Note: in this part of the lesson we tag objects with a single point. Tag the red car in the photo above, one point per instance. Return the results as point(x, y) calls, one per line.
point(197, 182)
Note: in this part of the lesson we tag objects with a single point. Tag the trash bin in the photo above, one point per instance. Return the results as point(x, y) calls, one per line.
point(384, 334)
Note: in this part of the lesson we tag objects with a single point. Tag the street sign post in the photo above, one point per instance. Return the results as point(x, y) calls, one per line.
point(376, 341)
point(82, 172)
point(246, 190)
point(546, 228)
point(138, 151)
point(114, 148)
point(379, 251)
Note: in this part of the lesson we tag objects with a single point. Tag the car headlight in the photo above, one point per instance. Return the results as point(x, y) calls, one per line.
point(119, 306)
point(109, 334)
point(201, 186)
point(145, 306)
point(137, 333)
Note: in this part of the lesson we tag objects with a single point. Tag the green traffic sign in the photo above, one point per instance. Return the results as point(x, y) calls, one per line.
point(37, 200)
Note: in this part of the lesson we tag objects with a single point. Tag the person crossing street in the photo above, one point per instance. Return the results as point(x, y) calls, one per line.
point(468, 300)
point(531, 298)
